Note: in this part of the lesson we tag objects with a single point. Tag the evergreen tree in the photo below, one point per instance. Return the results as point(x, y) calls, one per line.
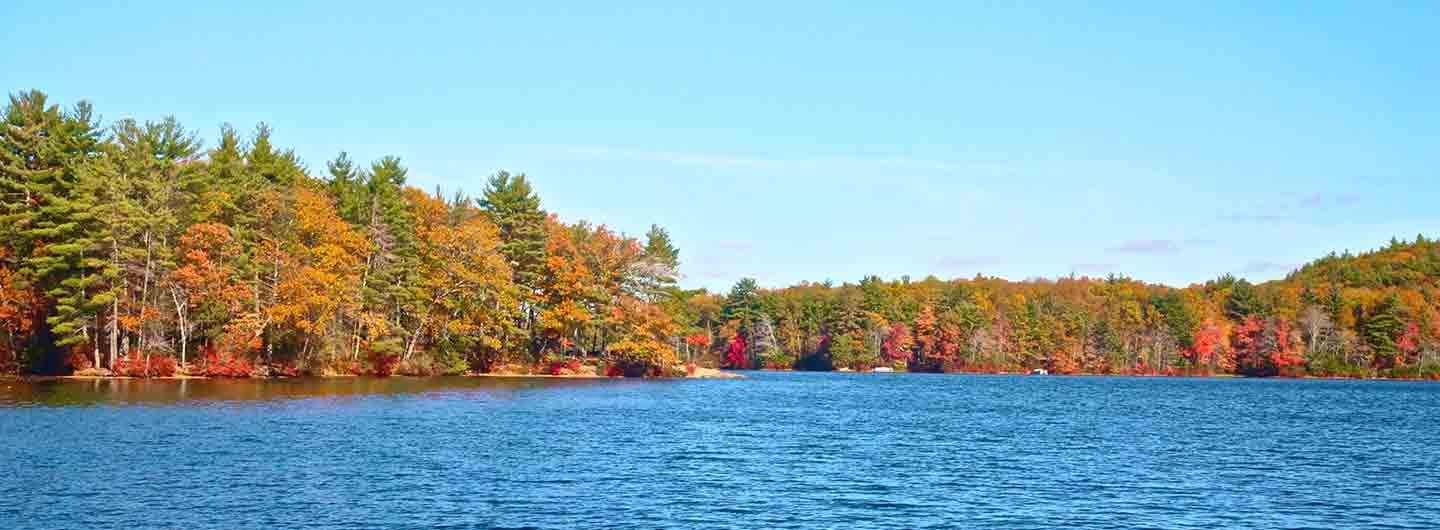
point(345, 189)
point(141, 194)
point(511, 205)
point(743, 302)
point(47, 229)
point(278, 167)
point(515, 209)
point(659, 269)
point(1179, 317)
point(659, 248)
point(1381, 327)
point(1243, 302)
point(1335, 303)
point(390, 271)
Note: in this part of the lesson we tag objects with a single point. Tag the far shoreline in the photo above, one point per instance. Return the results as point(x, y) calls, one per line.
point(701, 373)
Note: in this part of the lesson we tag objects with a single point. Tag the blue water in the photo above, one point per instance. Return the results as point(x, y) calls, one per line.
point(777, 450)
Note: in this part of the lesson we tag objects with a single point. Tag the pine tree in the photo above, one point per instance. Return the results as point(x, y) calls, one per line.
point(345, 189)
point(515, 209)
point(1243, 302)
point(282, 168)
point(743, 302)
point(227, 188)
point(1335, 302)
point(142, 192)
point(659, 269)
point(390, 271)
point(43, 224)
point(1381, 327)
point(659, 248)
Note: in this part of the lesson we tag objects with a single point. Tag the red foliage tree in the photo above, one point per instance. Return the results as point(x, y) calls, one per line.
point(699, 341)
point(1203, 352)
point(1285, 355)
point(899, 344)
point(1409, 343)
point(927, 339)
point(735, 354)
point(1249, 341)
point(1265, 348)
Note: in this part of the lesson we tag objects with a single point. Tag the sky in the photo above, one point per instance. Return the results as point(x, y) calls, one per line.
point(790, 141)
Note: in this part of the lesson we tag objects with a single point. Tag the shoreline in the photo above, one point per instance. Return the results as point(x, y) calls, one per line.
point(700, 373)
point(1158, 376)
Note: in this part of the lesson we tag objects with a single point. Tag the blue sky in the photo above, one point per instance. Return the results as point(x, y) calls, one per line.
point(794, 141)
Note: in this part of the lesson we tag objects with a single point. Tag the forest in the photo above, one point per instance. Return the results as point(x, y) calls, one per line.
point(131, 249)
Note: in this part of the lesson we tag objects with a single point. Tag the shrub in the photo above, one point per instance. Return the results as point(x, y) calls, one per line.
point(285, 369)
point(79, 362)
point(139, 365)
point(350, 367)
point(562, 366)
point(383, 365)
point(225, 364)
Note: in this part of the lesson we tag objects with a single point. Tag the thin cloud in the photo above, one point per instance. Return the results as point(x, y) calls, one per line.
point(672, 157)
point(1256, 217)
point(1094, 268)
point(731, 161)
point(1146, 246)
point(1320, 200)
point(965, 262)
point(1288, 211)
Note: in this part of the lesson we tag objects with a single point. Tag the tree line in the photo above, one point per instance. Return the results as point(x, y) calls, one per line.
point(1368, 315)
point(130, 249)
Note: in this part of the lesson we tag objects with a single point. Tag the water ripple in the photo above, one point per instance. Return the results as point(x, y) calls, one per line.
point(773, 451)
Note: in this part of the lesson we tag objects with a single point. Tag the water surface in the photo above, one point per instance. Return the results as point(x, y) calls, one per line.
point(778, 450)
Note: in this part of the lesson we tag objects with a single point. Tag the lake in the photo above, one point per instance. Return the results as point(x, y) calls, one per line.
point(776, 450)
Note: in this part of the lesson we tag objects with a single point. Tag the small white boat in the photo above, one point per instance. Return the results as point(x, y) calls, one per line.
point(1039, 371)
point(883, 369)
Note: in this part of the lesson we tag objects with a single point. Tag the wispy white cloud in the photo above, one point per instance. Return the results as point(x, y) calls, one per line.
point(1094, 268)
point(1320, 199)
point(1257, 217)
point(1290, 209)
point(1146, 246)
point(965, 262)
point(732, 161)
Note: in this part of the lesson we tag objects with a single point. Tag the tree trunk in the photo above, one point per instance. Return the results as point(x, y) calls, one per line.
point(184, 325)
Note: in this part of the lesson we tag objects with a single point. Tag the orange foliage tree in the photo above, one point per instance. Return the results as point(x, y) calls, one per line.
point(465, 300)
point(318, 268)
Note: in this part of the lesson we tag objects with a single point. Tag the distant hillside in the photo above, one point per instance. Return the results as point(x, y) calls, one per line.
point(1400, 264)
